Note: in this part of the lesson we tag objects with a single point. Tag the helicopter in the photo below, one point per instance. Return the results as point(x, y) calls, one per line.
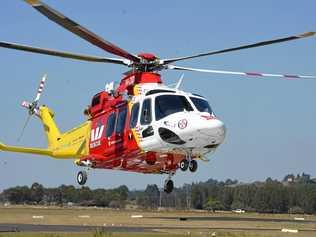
point(140, 125)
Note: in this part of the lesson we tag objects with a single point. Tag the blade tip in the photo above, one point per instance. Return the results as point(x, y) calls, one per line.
point(32, 2)
point(307, 34)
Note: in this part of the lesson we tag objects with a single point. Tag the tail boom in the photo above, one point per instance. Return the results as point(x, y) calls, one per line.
point(30, 150)
point(72, 144)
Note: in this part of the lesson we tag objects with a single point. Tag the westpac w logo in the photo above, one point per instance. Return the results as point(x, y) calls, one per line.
point(96, 133)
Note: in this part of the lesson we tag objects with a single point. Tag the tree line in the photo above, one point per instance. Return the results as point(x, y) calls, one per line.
point(294, 194)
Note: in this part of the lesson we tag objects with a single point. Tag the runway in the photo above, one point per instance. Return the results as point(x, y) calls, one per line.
point(229, 218)
point(67, 228)
point(151, 222)
point(5, 228)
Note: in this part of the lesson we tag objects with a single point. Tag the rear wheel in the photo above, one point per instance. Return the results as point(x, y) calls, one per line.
point(168, 186)
point(82, 177)
point(193, 166)
point(184, 164)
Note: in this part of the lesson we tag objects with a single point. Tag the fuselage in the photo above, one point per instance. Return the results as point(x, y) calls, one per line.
point(152, 130)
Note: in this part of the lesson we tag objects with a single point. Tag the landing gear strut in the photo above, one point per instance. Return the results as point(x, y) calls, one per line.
point(82, 177)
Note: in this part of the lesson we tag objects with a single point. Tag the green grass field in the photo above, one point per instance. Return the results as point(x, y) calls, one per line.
point(119, 218)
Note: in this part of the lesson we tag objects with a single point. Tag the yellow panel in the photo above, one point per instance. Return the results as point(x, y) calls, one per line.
point(37, 151)
point(74, 143)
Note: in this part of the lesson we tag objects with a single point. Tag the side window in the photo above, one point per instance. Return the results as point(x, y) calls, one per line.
point(110, 125)
point(121, 119)
point(146, 112)
point(134, 115)
point(95, 101)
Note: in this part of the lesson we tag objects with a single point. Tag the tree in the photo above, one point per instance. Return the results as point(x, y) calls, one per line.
point(37, 193)
point(197, 196)
point(122, 192)
point(213, 205)
point(152, 196)
point(18, 195)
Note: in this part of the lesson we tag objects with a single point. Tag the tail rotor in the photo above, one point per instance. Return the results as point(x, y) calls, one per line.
point(32, 107)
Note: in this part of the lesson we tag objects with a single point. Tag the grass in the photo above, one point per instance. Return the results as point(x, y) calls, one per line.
point(108, 217)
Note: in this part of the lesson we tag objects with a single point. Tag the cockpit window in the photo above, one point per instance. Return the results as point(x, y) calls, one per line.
point(170, 104)
point(134, 115)
point(96, 100)
point(145, 117)
point(201, 105)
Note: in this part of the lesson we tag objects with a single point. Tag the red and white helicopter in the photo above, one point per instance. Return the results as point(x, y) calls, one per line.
point(140, 125)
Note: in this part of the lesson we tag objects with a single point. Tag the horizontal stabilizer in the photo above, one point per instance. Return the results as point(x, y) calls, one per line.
point(30, 150)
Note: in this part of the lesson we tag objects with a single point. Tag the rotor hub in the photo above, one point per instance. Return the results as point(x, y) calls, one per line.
point(148, 63)
point(149, 57)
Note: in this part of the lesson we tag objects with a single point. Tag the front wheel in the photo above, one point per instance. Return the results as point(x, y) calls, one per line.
point(184, 164)
point(82, 177)
point(193, 166)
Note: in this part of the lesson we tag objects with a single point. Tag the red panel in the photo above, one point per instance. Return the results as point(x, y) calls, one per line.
point(129, 81)
point(148, 56)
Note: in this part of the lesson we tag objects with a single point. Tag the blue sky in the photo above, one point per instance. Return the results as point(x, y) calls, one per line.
point(270, 122)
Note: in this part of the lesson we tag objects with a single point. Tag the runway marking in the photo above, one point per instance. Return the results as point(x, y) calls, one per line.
point(38, 217)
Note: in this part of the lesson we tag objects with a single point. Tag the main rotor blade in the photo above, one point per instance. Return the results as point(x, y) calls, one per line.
point(259, 44)
point(63, 54)
point(79, 30)
point(288, 76)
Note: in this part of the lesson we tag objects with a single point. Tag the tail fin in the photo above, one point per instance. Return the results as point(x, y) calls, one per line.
point(50, 127)
point(52, 133)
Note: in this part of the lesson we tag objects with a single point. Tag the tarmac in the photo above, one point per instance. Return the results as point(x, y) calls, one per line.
point(66, 228)
point(229, 218)
point(136, 229)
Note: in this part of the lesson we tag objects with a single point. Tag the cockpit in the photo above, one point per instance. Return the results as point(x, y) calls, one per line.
point(176, 118)
point(159, 104)
point(170, 104)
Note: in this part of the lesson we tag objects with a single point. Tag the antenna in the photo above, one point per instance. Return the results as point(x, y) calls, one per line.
point(179, 82)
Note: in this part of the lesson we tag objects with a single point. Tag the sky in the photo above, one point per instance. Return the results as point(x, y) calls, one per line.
point(270, 122)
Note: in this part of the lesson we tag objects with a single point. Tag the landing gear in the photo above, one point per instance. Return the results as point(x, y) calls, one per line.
point(82, 177)
point(193, 166)
point(168, 186)
point(188, 162)
point(184, 164)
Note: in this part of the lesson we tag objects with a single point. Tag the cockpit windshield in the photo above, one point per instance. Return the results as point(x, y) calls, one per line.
point(170, 104)
point(201, 105)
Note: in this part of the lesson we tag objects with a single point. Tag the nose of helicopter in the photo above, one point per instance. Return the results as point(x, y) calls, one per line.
point(197, 131)
point(213, 131)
